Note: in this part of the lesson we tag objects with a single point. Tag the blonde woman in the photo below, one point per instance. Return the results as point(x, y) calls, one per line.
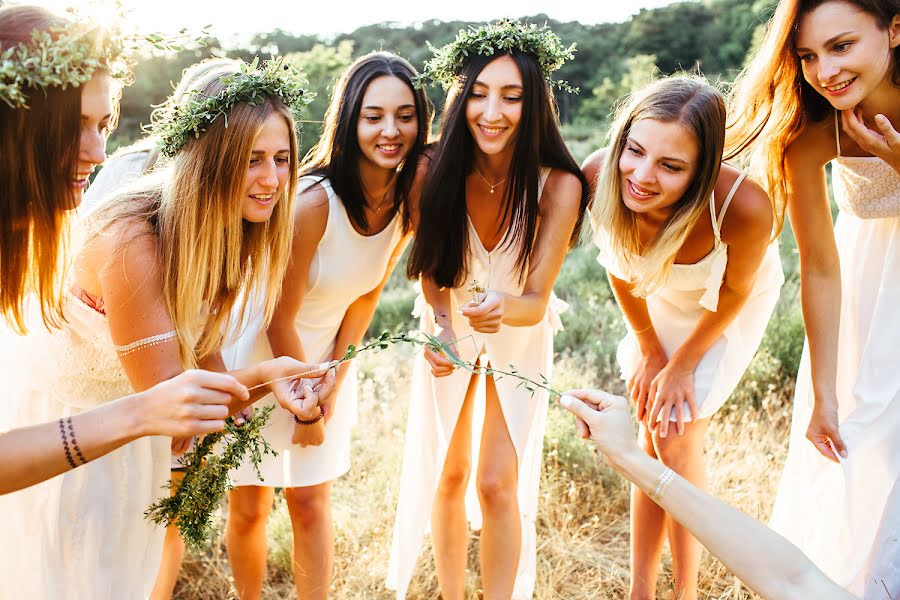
point(41, 120)
point(825, 88)
point(686, 242)
point(153, 284)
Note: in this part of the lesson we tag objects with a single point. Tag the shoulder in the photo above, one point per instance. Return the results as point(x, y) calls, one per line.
point(593, 163)
point(562, 190)
point(311, 213)
point(749, 216)
point(814, 146)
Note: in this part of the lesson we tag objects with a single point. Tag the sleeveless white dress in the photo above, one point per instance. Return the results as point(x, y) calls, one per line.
point(345, 266)
point(81, 534)
point(690, 291)
point(846, 517)
point(435, 404)
point(116, 172)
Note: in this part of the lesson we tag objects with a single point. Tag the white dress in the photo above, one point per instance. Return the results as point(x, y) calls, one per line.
point(346, 265)
point(844, 517)
point(116, 172)
point(83, 533)
point(435, 404)
point(689, 292)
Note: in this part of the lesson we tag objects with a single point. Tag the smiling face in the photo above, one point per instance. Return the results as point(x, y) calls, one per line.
point(268, 171)
point(387, 125)
point(96, 113)
point(844, 52)
point(494, 106)
point(657, 165)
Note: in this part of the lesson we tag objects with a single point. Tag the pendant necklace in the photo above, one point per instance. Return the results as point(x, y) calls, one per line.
point(491, 185)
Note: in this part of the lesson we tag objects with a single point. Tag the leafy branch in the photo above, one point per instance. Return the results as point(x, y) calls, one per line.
point(206, 478)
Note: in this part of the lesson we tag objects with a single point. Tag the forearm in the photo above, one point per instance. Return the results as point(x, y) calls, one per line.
point(710, 327)
point(353, 327)
point(525, 310)
point(769, 564)
point(637, 316)
point(439, 300)
point(820, 293)
point(33, 454)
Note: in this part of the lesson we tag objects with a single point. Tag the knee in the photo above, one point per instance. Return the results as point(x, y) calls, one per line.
point(673, 454)
point(454, 480)
point(308, 506)
point(497, 492)
point(248, 512)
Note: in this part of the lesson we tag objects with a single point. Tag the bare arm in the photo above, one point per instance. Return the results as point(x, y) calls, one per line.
point(820, 274)
point(769, 564)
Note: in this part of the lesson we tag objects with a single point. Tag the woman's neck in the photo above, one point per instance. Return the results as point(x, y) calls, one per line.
point(376, 181)
point(493, 167)
point(883, 100)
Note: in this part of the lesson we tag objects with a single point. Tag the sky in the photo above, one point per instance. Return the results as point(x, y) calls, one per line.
point(329, 17)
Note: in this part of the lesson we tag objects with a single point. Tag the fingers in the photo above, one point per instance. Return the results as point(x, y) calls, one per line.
point(891, 135)
point(665, 413)
point(441, 366)
point(584, 431)
point(692, 405)
point(203, 427)
point(216, 412)
point(222, 382)
point(578, 408)
point(679, 417)
point(598, 398)
point(837, 444)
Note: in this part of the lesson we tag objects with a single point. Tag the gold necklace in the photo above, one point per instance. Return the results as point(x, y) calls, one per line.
point(381, 202)
point(491, 185)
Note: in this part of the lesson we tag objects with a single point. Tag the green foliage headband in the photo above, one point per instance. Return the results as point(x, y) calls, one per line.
point(173, 124)
point(506, 35)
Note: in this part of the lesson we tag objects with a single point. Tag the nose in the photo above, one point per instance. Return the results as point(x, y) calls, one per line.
point(92, 147)
point(268, 176)
point(828, 68)
point(643, 172)
point(492, 108)
point(390, 128)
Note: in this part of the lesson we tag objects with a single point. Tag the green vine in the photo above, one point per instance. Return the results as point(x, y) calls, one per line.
point(206, 478)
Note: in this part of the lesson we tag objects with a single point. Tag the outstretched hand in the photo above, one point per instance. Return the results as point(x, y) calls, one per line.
point(883, 143)
point(603, 418)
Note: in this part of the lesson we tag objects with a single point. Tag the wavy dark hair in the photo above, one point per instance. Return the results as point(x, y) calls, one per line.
point(442, 242)
point(336, 154)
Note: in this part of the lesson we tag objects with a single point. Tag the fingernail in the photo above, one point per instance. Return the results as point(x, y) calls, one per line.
point(880, 117)
point(844, 453)
point(566, 400)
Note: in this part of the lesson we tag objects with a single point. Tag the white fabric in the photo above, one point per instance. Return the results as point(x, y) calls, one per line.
point(687, 294)
point(81, 534)
point(841, 515)
point(115, 173)
point(346, 265)
point(435, 404)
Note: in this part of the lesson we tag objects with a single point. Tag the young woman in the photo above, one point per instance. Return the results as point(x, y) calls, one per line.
point(502, 201)
point(351, 226)
point(152, 287)
point(41, 120)
point(825, 88)
point(686, 244)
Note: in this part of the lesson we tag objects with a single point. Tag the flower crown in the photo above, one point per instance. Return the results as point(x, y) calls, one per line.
point(174, 123)
point(505, 35)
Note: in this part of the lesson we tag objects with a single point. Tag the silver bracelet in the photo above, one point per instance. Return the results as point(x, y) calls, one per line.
point(662, 482)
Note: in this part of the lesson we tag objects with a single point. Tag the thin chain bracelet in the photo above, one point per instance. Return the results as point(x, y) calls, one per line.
point(75, 442)
point(146, 342)
point(665, 478)
point(62, 434)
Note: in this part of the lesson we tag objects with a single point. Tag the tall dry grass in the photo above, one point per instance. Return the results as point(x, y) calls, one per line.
point(583, 517)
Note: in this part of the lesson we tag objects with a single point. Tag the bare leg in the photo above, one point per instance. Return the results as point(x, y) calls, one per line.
point(684, 455)
point(648, 528)
point(245, 538)
point(172, 555)
point(449, 530)
point(497, 482)
point(310, 510)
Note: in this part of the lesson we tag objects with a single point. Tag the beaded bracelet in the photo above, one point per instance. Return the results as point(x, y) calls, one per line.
point(299, 421)
point(665, 478)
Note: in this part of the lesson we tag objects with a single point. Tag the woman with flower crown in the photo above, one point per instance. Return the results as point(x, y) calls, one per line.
point(824, 88)
point(160, 269)
point(351, 224)
point(40, 116)
point(501, 203)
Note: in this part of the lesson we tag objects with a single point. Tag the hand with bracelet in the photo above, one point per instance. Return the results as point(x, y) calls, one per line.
point(769, 564)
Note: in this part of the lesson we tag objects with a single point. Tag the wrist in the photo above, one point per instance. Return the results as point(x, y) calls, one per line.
point(682, 363)
point(126, 418)
point(629, 462)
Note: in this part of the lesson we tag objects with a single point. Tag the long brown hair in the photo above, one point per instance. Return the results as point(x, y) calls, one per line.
point(39, 158)
point(771, 103)
point(700, 109)
point(210, 257)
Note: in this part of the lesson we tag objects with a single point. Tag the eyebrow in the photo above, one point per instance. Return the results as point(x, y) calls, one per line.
point(515, 86)
point(665, 158)
point(829, 41)
point(373, 107)
point(105, 117)
point(283, 150)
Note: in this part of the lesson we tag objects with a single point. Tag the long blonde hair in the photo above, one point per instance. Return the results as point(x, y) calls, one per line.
point(211, 258)
point(771, 103)
point(700, 108)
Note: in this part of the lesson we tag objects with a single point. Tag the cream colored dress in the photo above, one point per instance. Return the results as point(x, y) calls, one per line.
point(692, 290)
point(846, 517)
point(435, 403)
point(345, 266)
point(82, 534)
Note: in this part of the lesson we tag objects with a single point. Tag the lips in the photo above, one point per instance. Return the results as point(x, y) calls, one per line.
point(263, 199)
point(80, 181)
point(638, 192)
point(840, 87)
point(389, 149)
point(491, 131)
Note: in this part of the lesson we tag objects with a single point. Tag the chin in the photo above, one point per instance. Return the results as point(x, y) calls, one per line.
point(257, 216)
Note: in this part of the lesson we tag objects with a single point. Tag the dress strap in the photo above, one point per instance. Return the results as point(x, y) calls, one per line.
point(837, 133)
point(717, 221)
